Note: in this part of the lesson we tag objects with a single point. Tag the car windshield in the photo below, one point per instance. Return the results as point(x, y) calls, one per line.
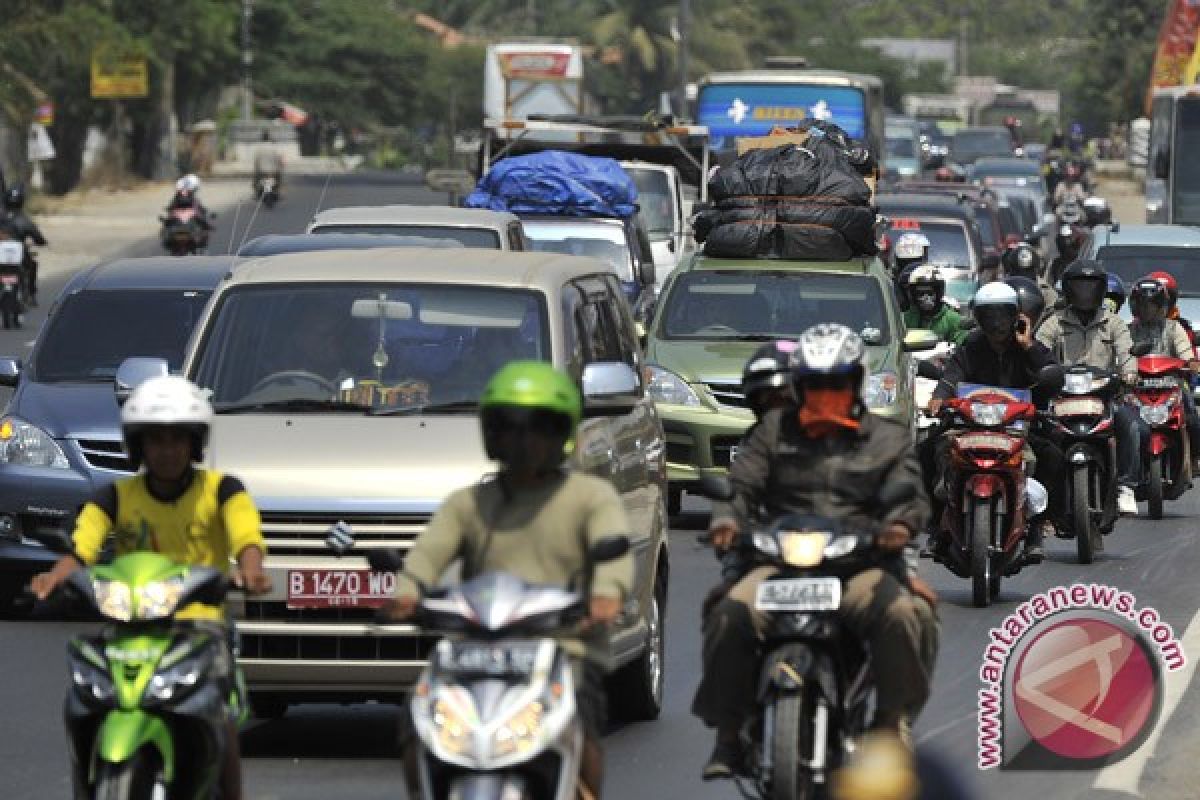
point(93, 331)
point(713, 305)
point(900, 144)
point(381, 346)
point(1134, 262)
point(948, 241)
point(968, 146)
point(483, 238)
point(655, 201)
point(603, 241)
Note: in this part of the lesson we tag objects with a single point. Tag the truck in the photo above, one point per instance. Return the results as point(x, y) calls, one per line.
point(524, 78)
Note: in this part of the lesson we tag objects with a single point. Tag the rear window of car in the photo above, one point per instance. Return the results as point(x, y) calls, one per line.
point(1132, 262)
point(968, 146)
point(482, 238)
point(948, 241)
point(93, 331)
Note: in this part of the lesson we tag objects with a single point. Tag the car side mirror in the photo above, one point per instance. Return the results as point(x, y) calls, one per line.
point(918, 340)
point(646, 273)
point(135, 371)
point(10, 371)
point(610, 389)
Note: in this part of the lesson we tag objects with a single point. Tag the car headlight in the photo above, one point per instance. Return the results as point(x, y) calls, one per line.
point(880, 391)
point(25, 445)
point(159, 599)
point(113, 599)
point(664, 386)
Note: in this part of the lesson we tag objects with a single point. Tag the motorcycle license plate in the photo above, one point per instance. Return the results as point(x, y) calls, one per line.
point(506, 659)
point(799, 594)
point(9, 280)
point(339, 588)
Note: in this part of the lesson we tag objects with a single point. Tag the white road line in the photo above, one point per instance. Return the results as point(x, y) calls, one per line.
point(1127, 774)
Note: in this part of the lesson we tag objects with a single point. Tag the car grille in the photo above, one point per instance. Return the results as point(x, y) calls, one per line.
point(293, 647)
point(105, 454)
point(728, 394)
point(289, 533)
point(722, 450)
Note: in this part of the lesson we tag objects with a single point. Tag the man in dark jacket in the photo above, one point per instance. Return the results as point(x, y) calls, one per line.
point(1002, 352)
point(828, 457)
point(24, 230)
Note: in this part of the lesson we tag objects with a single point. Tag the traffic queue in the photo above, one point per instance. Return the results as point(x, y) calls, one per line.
point(844, 366)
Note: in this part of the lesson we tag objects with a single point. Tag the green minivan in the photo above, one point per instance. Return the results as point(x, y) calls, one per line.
point(713, 313)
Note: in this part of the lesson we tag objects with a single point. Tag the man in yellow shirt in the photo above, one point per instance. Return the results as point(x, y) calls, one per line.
point(191, 515)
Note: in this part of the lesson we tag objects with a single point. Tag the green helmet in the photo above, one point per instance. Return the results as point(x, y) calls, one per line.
point(534, 384)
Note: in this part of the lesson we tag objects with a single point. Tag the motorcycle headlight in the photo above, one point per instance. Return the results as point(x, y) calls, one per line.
point(880, 391)
point(766, 544)
point(173, 682)
point(664, 386)
point(25, 445)
point(113, 599)
point(802, 549)
point(454, 720)
point(1079, 383)
point(531, 726)
point(1155, 415)
point(989, 414)
point(841, 546)
point(159, 599)
point(90, 680)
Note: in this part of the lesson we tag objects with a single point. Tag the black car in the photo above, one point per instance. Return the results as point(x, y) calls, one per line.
point(920, 205)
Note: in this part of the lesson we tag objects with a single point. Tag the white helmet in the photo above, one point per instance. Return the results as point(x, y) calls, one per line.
point(188, 183)
point(911, 246)
point(996, 293)
point(166, 401)
point(995, 307)
point(827, 349)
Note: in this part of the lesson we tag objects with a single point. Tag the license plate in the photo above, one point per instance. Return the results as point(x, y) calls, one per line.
point(339, 588)
point(799, 594)
point(9, 280)
point(482, 658)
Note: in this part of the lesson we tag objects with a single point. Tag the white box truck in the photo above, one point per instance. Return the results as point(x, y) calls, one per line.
point(533, 77)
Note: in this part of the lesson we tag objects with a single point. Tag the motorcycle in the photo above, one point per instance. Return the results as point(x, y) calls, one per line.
point(12, 283)
point(1081, 422)
point(267, 190)
point(144, 717)
point(1166, 452)
point(986, 483)
point(182, 233)
point(816, 691)
point(494, 709)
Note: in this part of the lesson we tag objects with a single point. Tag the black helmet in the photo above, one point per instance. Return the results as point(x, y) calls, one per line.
point(1030, 300)
point(768, 368)
point(1148, 291)
point(1084, 284)
point(1022, 260)
point(14, 198)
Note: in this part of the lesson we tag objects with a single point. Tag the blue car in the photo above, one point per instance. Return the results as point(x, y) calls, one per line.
point(60, 436)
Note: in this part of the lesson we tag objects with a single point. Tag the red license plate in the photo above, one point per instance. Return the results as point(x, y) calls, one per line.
point(339, 588)
point(9, 280)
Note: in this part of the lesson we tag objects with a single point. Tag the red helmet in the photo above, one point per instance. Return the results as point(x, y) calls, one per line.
point(1168, 281)
point(1073, 171)
point(945, 175)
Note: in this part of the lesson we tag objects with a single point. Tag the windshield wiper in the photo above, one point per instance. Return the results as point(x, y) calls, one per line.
point(430, 408)
point(294, 404)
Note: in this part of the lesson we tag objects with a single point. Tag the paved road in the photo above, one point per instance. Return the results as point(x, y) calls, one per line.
point(321, 752)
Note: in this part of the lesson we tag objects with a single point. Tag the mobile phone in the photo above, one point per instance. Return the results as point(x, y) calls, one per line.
point(1022, 326)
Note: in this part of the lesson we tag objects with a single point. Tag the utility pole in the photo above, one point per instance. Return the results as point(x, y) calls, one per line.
point(685, 11)
point(247, 60)
point(963, 68)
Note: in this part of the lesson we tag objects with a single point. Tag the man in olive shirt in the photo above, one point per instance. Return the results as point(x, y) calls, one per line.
point(534, 520)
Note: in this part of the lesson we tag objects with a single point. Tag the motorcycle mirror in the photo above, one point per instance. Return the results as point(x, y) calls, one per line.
point(715, 487)
point(929, 370)
point(1140, 349)
point(610, 548)
point(388, 560)
point(1050, 378)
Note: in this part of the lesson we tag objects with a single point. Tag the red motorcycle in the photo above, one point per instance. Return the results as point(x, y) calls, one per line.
point(1166, 452)
point(985, 478)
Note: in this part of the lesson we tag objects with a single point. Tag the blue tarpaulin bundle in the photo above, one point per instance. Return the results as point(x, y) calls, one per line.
point(559, 183)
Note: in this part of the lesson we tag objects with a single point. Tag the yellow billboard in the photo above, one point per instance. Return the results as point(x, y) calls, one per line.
point(118, 75)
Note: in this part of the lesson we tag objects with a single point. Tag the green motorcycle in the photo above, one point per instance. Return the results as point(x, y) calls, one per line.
point(147, 710)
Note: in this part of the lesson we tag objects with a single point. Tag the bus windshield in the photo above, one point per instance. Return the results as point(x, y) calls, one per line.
point(1185, 190)
point(753, 109)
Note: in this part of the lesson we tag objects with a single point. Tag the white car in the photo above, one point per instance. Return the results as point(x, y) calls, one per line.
point(664, 213)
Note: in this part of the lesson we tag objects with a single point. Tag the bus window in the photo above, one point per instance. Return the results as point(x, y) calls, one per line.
point(1185, 185)
point(1160, 137)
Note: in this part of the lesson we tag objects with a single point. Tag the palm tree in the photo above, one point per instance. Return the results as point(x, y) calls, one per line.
point(641, 32)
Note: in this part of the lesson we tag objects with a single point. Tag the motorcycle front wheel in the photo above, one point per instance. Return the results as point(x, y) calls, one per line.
point(1154, 487)
point(139, 778)
point(790, 779)
point(981, 556)
point(1081, 516)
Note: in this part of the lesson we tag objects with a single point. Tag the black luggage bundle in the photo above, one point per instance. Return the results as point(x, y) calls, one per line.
point(805, 201)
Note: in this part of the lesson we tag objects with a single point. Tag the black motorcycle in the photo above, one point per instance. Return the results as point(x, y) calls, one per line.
point(816, 691)
point(1082, 422)
point(12, 283)
point(266, 189)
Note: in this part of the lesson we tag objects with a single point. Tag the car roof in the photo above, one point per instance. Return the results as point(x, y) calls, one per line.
point(943, 204)
point(853, 266)
point(467, 266)
point(983, 129)
point(275, 244)
point(449, 216)
point(561, 220)
point(1001, 161)
point(1153, 235)
point(155, 272)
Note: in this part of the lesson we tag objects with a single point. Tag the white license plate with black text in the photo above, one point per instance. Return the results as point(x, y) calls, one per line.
point(799, 594)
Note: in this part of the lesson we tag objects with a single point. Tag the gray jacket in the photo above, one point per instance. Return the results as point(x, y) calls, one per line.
point(1102, 343)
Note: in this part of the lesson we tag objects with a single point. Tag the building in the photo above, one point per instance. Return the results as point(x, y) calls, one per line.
point(918, 51)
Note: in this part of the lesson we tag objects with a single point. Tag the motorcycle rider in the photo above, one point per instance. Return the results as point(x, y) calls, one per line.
point(1165, 336)
point(267, 162)
point(189, 514)
point(25, 231)
point(187, 195)
point(1023, 261)
point(1068, 241)
point(927, 308)
point(534, 519)
point(1071, 188)
point(1084, 332)
point(1004, 353)
point(825, 455)
point(1172, 286)
point(909, 251)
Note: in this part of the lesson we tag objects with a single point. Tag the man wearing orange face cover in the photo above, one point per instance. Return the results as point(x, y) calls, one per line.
point(825, 455)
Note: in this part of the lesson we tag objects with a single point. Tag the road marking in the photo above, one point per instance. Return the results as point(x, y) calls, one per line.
point(1125, 775)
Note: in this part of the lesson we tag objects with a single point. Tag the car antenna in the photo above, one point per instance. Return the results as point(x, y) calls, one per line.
point(321, 199)
point(237, 212)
